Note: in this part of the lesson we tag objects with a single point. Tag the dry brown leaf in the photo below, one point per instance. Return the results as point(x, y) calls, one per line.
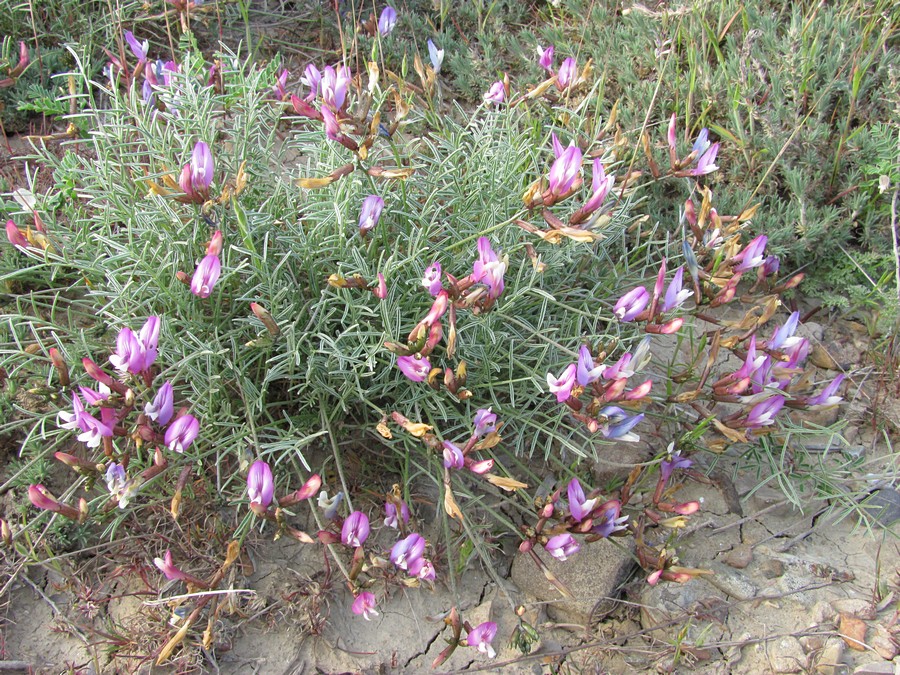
point(450, 505)
point(731, 434)
point(508, 484)
point(313, 183)
point(853, 631)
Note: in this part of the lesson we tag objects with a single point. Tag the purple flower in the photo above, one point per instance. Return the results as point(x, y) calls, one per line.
point(168, 567)
point(783, 336)
point(763, 414)
point(562, 386)
point(393, 517)
point(770, 266)
point(827, 397)
point(364, 605)
point(568, 72)
point(138, 48)
point(436, 55)
point(632, 304)
point(565, 172)
point(562, 546)
point(702, 142)
point(334, 84)
point(485, 422)
point(280, 88)
point(312, 78)
point(670, 135)
point(608, 520)
point(381, 290)
point(95, 397)
point(116, 482)
point(496, 94)
point(453, 457)
point(206, 275)
point(387, 21)
point(406, 551)
point(73, 420)
point(601, 184)
point(182, 432)
point(202, 168)
point(370, 213)
point(422, 568)
point(260, 485)
point(162, 408)
point(706, 164)
point(585, 372)
point(579, 507)
point(619, 424)
point(545, 58)
point(149, 340)
point(432, 278)
point(753, 254)
point(129, 355)
point(415, 368)
point(676, 294)
point(481, 637)
point(355, 530)
point(93, 430)
point(621, 368)
point(674, 461)
point(489, 269)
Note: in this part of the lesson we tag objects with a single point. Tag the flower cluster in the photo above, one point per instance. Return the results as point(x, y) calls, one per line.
point(477, 292)
point(604, 384)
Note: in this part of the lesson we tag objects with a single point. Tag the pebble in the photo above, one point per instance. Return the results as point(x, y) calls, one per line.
point(829, 662)
point(787, 656)
point(771, 568)
point(857, 607)
point(740, 556)
point(882, 643)
point(882, 668)
point(812, 643)
point(883, 507)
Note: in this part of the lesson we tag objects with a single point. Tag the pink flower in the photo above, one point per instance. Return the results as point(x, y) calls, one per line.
point(432, 278)
point(128, 356)
point(423, 569)
point(753, 254)
point(545, 58)
point(162, 408)
point(393, 516)
point(481, 637)
point(15, 236)
point(93, 430)
point(485, 422)
point(182, 432)
point(370, 213)
point(407, 551)
point(415, 368)
point(333, 85)
point(197, 175)
point(381, 290)
point(579, 507)
point(565, 172)
point(601, 184)
point(355, 530)
point(260, 485)
point(453, 457)
point(496, 94)
point(568, 73)
point(364, 605)
point(139, 49)
point(489, 269)
point(206, 276)
point(562, 386)
point(670, 136)
point(632, 304)
point(706, 164)
point(312, 77)
point(562, 546)
point(167, 566)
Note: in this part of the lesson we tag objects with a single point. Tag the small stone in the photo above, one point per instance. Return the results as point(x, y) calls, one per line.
point(880, 668)
point(853, 631)
point(787, 656)
point(882, 643)
point(771, 568)
point(856, 607)
point(822, 613)
point(883, 507)
point(829, 662)
point(812, 643)
point(739, 557)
